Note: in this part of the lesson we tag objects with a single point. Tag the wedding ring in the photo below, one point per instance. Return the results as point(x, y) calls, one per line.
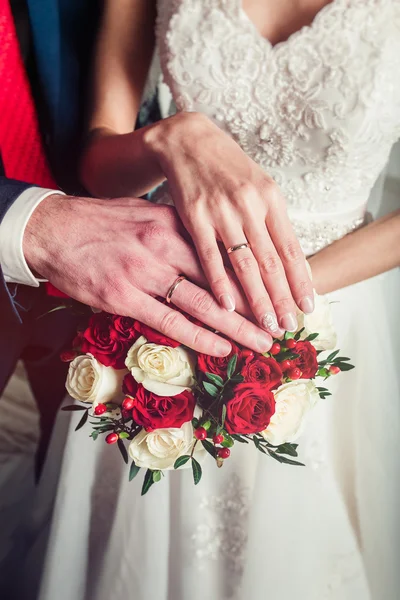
point(173, 287)
point(238, 247)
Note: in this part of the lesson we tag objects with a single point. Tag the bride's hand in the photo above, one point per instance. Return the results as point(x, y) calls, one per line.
point(222, 196)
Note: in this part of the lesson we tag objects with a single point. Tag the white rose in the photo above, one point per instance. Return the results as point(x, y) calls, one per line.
point(90, 381)
point(160, 448)
point(319, 321)
point(163, 370)
point(293, 402)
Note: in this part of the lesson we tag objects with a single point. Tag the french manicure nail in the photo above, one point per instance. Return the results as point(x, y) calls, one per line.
point(306, 305)
point(222, 348)
point(227, 302)
point(269, 321)
point(289, 322)
point(264, 342)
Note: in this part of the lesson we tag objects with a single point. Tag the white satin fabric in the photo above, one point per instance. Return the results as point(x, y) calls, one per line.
point(330, 531)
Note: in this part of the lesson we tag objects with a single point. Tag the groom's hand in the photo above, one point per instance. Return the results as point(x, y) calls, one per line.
point(118, 256)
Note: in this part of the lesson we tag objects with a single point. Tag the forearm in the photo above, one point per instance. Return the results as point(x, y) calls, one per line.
point(119, 164)
point(367, 252)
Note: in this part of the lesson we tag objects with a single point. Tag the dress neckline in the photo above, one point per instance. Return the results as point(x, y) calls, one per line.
point(320, 15)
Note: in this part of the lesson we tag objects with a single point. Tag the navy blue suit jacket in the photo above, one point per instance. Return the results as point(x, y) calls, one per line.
point(62, 33)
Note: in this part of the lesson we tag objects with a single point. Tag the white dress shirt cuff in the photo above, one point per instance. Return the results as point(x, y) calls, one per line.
point(12, 229)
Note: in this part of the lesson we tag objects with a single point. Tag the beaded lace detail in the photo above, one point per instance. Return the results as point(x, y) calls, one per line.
point(319, 112)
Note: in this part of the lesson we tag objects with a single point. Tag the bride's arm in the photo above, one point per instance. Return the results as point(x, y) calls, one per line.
point(367, 252)
point(221, 195)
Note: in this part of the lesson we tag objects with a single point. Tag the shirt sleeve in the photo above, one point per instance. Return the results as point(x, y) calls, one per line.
point(12, 229)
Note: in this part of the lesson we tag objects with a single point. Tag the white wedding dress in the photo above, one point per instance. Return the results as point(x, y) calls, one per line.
point(320, 113)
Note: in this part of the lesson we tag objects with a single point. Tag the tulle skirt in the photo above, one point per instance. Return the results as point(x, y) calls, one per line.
point(254, 528)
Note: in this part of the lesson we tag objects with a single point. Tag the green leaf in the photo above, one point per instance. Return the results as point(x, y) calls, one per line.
point(283, 459)
point(147, 482)
point(124, 435)
point(123, 450)
point(289, 335)
point(287, 449)
point(215, 379)
point(298, 334)
point(311, 337)
point(182, 460)
point(332, 356)
point(344, 366)
point(206, 425)
point(239, 438)
point(211, 389)
point(94, 435)
point(156, 476)
point(73, 407)
point(228, 441)
point(195, 422)
point(238, 378)
point(197, 471)
point(223, 415)
point(133, 471)
point(232, 366)
point(209, 447)
point(82, 421)
point(322, 372)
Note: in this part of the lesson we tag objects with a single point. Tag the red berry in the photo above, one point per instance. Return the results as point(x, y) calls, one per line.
point(247, 353)
point(275, 348)
point(112, 438)
point(286, 364)
point(295, 373)
point(127, 404)
point(290, 343)
point(224, 453)
point(127, 414)
point(218, 439)
point(100, 409)
point(200, 433)
point(334, 370)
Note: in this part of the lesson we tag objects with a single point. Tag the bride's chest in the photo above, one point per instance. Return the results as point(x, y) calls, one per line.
point(345, 65)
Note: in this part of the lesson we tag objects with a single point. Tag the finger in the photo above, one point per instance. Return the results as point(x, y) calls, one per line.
point(213, 266)
point(274, 277)
point(173, 324)
point(248, 273)
point(293, 259)
point(201, 304)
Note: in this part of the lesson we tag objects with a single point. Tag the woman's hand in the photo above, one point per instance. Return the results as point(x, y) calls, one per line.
point(221, 195)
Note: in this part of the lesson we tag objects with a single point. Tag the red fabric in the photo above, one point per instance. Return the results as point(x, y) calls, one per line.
point(21, 144)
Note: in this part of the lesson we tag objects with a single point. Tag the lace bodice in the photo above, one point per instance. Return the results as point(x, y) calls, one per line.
point(319, 112)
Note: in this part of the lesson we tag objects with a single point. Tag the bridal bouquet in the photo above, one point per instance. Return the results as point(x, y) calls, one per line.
point(165, 406)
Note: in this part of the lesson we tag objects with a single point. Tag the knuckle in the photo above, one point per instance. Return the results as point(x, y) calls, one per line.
point(244, 264)
point(284, 304)
point(291, 252)
point(304, 288)
point(241, 330)
point(219, 282)
point(269, 263)
point(198, 339)
point(170, 322)
point(260, 305)
point(202, 302)
point(210, 254)
point(152, 232)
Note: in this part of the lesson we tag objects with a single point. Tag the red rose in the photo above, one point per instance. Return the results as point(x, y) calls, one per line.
point(154, 412)
point(104, 342)
point(216, 365)
point(265, 371)
point(155, 337)
point(307, 362)
point(250, 410)
point(129, 386)
point(125, 329)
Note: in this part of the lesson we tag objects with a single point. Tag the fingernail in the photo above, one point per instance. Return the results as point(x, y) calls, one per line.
point(264, 342)
point(270, 322)
point(227, 302)
point(289, 322)
point(222, 348)
point(306, 305)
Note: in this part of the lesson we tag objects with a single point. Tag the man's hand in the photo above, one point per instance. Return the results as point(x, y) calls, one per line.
point(118, 256)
